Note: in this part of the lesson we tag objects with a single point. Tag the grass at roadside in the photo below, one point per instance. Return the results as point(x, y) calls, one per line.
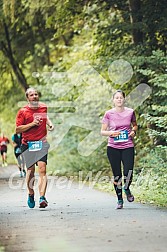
point(149, 180)
point(2, 249)
point(145, 190)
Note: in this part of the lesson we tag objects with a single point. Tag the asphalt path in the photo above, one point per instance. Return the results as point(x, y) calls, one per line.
point(78, 219)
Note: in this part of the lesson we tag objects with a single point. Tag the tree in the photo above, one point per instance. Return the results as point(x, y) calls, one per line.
point(24, 39)
point(6, 48)
point(136, 21)
point(156, 115)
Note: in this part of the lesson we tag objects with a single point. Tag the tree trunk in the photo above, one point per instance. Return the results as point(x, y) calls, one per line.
point(7, 50)
point(136, 21)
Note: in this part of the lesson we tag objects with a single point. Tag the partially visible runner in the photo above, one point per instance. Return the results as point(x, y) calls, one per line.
point(4, 141)
point(119, 124)
point(31, 121)
point(16, 141)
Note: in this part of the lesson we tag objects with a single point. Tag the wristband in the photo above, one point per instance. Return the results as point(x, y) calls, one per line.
point(134, 131)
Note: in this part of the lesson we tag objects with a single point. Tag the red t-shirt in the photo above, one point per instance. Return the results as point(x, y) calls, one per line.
point(26, 115)
point(3, 142)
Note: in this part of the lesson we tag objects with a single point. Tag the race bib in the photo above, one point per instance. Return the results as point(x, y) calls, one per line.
point(123, 137)
point(34, 145)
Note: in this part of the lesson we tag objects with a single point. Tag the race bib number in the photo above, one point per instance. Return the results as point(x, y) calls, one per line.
point(123, 137)
point(34, 145)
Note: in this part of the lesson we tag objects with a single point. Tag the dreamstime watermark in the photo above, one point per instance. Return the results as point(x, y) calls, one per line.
point(90, 180)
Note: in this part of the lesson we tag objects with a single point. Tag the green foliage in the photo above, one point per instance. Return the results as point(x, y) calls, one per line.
point(52, 35)
point(65, 159)
point(150, 180)
point(154, 70)
point(2, 249)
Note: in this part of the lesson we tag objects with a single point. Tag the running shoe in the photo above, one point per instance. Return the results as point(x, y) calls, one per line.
point(43, 202)
point(6, 164)
point(129, 196)
point(120, 204)
point(31, 201)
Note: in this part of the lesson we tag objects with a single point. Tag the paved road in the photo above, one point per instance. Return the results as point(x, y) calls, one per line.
point(76, 220)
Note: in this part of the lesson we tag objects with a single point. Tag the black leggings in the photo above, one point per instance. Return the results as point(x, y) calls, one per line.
point(126, 156)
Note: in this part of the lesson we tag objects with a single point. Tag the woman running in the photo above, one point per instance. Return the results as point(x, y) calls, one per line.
point(119, 124)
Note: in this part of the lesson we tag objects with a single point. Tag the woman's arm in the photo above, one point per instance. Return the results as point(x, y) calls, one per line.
point(134, 129)
point(14, 144)
point(106, 132)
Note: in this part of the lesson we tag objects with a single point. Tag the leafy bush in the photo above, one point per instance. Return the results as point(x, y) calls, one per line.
point(150, 179)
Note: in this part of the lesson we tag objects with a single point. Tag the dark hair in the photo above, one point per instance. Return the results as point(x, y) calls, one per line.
point(119, 91)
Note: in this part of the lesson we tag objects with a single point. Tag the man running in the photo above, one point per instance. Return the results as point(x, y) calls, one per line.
point(16, 141)
point(31, 121)
point(4, 141)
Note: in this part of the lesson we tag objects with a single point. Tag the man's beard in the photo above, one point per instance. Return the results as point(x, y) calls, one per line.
point(34, 103)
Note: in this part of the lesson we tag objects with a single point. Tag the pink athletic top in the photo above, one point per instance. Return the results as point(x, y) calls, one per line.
point(119, 121)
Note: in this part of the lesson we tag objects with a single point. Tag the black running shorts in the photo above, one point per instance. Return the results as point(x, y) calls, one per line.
point(32, 157)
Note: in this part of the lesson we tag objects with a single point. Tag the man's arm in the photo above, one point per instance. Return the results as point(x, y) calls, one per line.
point(50, 124)
point(23, 128)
